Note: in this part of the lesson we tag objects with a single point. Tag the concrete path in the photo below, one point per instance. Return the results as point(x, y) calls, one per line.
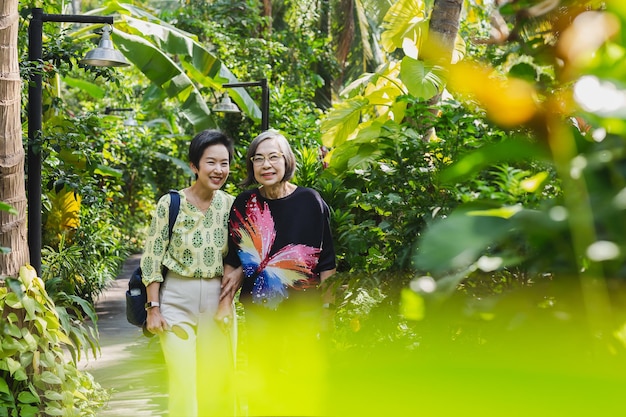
point(130, 365)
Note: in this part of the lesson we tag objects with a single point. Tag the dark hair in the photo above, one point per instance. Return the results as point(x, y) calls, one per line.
point(285, 148)
point(208, 138)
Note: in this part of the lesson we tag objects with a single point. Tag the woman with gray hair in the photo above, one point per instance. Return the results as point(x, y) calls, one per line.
point(280, 234)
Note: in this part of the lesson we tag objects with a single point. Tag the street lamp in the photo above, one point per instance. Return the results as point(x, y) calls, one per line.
point(130, 119)
point(227, 106)
point(104, 55)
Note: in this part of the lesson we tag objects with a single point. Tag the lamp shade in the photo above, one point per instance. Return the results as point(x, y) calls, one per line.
point(105, 55)
point(226, 106)
point(130, 120)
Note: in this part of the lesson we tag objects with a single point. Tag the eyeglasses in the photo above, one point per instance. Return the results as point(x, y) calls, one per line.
point(259, 160)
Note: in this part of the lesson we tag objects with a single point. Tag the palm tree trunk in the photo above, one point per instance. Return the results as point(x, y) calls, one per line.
point(323, 95)
point(12, 189)
point(442, 31)
point(345, 36)
point(443, 28)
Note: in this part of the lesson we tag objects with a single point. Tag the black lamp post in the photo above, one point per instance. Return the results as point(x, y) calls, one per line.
point(226, 106)
point(104, 55)
point(130, 120)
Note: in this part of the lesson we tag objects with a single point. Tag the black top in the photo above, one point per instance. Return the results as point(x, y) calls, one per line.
point(282, 244)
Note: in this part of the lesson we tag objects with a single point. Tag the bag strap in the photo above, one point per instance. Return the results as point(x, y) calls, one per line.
point(174, 208)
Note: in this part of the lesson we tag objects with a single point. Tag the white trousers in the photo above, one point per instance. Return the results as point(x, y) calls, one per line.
point(198, 354)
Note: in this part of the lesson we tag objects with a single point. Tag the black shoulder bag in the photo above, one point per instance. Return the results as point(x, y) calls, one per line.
point(136, 295)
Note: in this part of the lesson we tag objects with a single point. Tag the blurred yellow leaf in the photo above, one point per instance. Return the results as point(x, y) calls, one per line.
point(533, 183)
point(508, 101)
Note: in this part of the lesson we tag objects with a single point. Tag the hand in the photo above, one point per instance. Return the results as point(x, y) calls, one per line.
point(231, 281)
point(155, 323)
point(224, 317)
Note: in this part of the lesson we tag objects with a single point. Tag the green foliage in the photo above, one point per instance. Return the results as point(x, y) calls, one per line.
point(35, 376)
point(85, 162)
point(549, 232)
point(385, 190)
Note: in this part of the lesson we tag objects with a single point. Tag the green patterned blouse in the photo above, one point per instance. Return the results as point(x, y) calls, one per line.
point(199, 241)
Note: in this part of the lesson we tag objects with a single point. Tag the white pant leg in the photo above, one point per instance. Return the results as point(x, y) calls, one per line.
point(180, 305)
point(215, 358)
point(181, 367)
point(201, 367)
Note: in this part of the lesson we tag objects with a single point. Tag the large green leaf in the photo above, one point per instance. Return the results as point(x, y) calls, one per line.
point(175, 61)
point(184, 166)
point(457, 241)
point(163, 71)
point(201, 65)
point(4, 387)
point(356, 86)
point(175, 42)
point(105, 171)
point(403, 20)
point(364, 149)
point(342, 120)
point(421, 79)
point(92, 89)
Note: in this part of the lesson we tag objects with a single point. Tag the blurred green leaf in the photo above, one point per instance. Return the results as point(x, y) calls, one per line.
point(7, 207)
point(458, 241)
point(92, 89)
point(491, 154)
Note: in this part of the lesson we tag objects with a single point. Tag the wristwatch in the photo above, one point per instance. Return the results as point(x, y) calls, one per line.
point(152, 304)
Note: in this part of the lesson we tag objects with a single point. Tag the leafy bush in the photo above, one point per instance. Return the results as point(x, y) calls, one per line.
point(35, 377)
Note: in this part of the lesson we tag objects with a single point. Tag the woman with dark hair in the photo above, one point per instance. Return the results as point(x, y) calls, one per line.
point(280, 235)
point(182, 306)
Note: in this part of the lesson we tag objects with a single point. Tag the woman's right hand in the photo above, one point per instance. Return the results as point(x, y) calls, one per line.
point(155, 323)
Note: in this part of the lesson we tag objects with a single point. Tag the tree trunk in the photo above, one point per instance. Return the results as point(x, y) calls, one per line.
point(344, 37)
point(324, 94)
point(266, 30)
point(12, 189)
point(442, 31)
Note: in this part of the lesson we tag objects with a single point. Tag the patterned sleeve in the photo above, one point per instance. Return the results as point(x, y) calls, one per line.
point(157, 240)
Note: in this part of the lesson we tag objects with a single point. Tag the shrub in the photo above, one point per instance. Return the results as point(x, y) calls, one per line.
point(35, 377)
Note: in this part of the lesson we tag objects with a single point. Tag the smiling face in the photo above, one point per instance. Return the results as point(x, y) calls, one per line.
point(213, 167)
point(269, 174)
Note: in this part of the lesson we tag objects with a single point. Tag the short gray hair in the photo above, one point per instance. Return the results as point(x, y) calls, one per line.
point(285, 148)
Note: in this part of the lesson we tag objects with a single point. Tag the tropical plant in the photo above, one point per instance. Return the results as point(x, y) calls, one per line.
point(35, 376)
point(582, 145)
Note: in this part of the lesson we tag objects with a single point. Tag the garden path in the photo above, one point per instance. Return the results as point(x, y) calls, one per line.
point(130, 365)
